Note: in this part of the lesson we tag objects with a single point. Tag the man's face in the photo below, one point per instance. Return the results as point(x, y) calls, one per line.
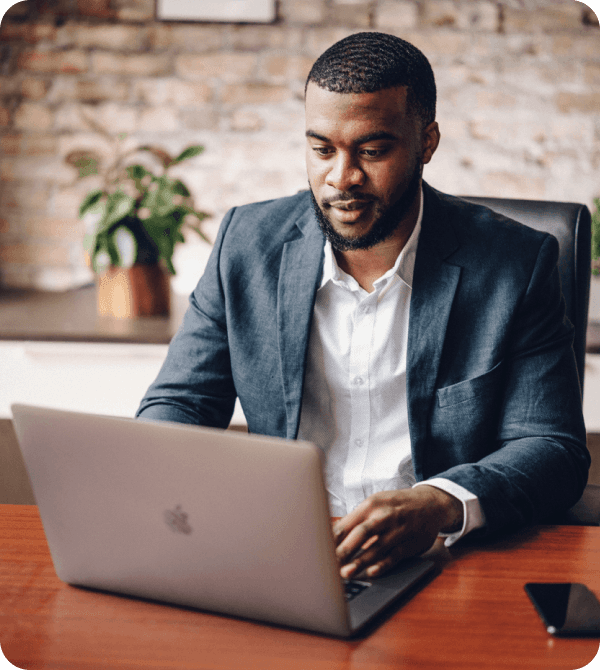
point(364, 158)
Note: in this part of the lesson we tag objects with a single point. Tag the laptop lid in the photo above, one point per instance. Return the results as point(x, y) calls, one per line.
point(218, 520)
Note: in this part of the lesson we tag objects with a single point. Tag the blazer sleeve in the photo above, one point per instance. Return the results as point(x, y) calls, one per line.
point(539, 463)
point(195, 383)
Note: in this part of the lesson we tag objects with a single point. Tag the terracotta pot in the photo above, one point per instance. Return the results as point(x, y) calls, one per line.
point(141, 290)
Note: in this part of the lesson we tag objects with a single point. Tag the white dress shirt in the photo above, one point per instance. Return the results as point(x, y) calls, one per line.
point(354, 404)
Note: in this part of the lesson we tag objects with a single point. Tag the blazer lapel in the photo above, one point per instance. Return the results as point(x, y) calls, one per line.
point(299, 277)
point(434, 284)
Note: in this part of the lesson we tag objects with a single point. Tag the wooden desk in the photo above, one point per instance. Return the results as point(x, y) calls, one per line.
point(474, 615)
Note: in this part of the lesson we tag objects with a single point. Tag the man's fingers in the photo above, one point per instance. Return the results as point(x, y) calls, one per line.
point(381, 551)
point(360, 537)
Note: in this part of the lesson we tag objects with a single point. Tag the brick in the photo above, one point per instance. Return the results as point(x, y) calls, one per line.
point(591, 73)
point(10, 144)
point(357, 15)
point(513, 185)
point(70, 62)
point(227, 67)
point(98, 8)
point(39, 144)
point(319, 39)
point(115, 118)
point(488, 130)
point(53, 254)
point(86, 89)
point(11, 31)
point(28, 32)
point(303, 11)
point(441, 44)
point(245, 120)
point(440, 13)
point(29, 144)
point(125, 64)
point(33, 168)
point(135, 10)
point(66, 201)
point(476, 16)
point(172, 91)
point(494, 99)
point(38, 32)
point(203, 118)
point(258, 38)
point(587, 103)
point(100, 90)
point(105, 36)
point(9, 86)
point(572, 131)
point(71, 117)
point(453, 128)
point(21, 196)
point(562, 45)
point(33, 116)
point(254, 94)
point(33, 88)
point(159, 119)
point(397, 15)
point(44, 227)
point(553, 18)
point(284, 67)
point(194, 38)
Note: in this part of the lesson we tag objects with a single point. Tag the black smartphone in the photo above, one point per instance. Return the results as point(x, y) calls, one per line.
point(566, 609)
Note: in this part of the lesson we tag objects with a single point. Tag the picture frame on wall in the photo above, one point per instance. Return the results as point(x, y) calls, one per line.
point(230, 11)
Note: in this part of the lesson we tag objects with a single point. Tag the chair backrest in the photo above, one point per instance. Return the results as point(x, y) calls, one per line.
point(570, 223)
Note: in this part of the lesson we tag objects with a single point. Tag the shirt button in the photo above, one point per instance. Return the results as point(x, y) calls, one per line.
point(358, 381)
point(358, 442)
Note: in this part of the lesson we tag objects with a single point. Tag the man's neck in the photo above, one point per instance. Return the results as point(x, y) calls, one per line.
point(367, 265)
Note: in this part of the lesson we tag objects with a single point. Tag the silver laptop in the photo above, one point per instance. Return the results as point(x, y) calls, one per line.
point(216, 520)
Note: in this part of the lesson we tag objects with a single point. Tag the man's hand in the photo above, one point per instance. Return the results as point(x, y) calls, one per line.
point(392, 525)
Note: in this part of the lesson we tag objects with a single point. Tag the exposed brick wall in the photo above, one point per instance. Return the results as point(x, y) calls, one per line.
point(519, 105)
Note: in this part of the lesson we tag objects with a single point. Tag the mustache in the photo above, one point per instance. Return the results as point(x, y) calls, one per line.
point(348, 196)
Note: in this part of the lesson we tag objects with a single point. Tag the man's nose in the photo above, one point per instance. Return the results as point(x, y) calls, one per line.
point(345, 173)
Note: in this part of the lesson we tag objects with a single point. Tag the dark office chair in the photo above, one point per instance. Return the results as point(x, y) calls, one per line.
point(570, 223)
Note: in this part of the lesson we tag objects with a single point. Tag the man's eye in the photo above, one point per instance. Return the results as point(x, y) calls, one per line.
point(373, 153)
point(322, 151)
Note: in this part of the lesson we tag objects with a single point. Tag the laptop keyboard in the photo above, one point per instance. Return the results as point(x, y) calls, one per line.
point(353, 588)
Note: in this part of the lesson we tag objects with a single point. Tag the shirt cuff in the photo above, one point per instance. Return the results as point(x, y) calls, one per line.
point(473, 514)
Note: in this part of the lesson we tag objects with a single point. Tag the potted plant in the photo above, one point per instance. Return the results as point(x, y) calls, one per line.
point(142, 210)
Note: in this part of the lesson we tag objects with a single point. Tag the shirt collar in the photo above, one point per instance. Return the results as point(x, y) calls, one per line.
point(404, 266)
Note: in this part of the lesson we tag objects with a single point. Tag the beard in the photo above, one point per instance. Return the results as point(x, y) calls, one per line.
point(386, 219)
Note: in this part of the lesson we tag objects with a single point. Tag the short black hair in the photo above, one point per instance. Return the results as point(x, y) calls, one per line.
point(369, 62)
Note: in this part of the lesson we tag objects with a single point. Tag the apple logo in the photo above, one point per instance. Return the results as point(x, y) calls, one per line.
point(177, 520)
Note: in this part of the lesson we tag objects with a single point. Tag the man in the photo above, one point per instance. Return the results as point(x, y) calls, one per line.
point(419, 340)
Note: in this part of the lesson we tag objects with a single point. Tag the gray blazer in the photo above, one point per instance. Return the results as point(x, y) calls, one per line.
point(493, 395)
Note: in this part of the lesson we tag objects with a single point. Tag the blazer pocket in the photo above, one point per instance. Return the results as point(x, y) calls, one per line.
point(470, 388)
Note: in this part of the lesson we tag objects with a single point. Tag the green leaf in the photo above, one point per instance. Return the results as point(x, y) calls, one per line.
point(164, 234)
point(137, 172)
point(119, 205)
point(596, 230)
point(180, 188)
point(190, 152)
point(90, 200)
point(105, 243)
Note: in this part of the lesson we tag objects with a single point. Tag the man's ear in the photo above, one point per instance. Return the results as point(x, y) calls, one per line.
point(430, 138)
